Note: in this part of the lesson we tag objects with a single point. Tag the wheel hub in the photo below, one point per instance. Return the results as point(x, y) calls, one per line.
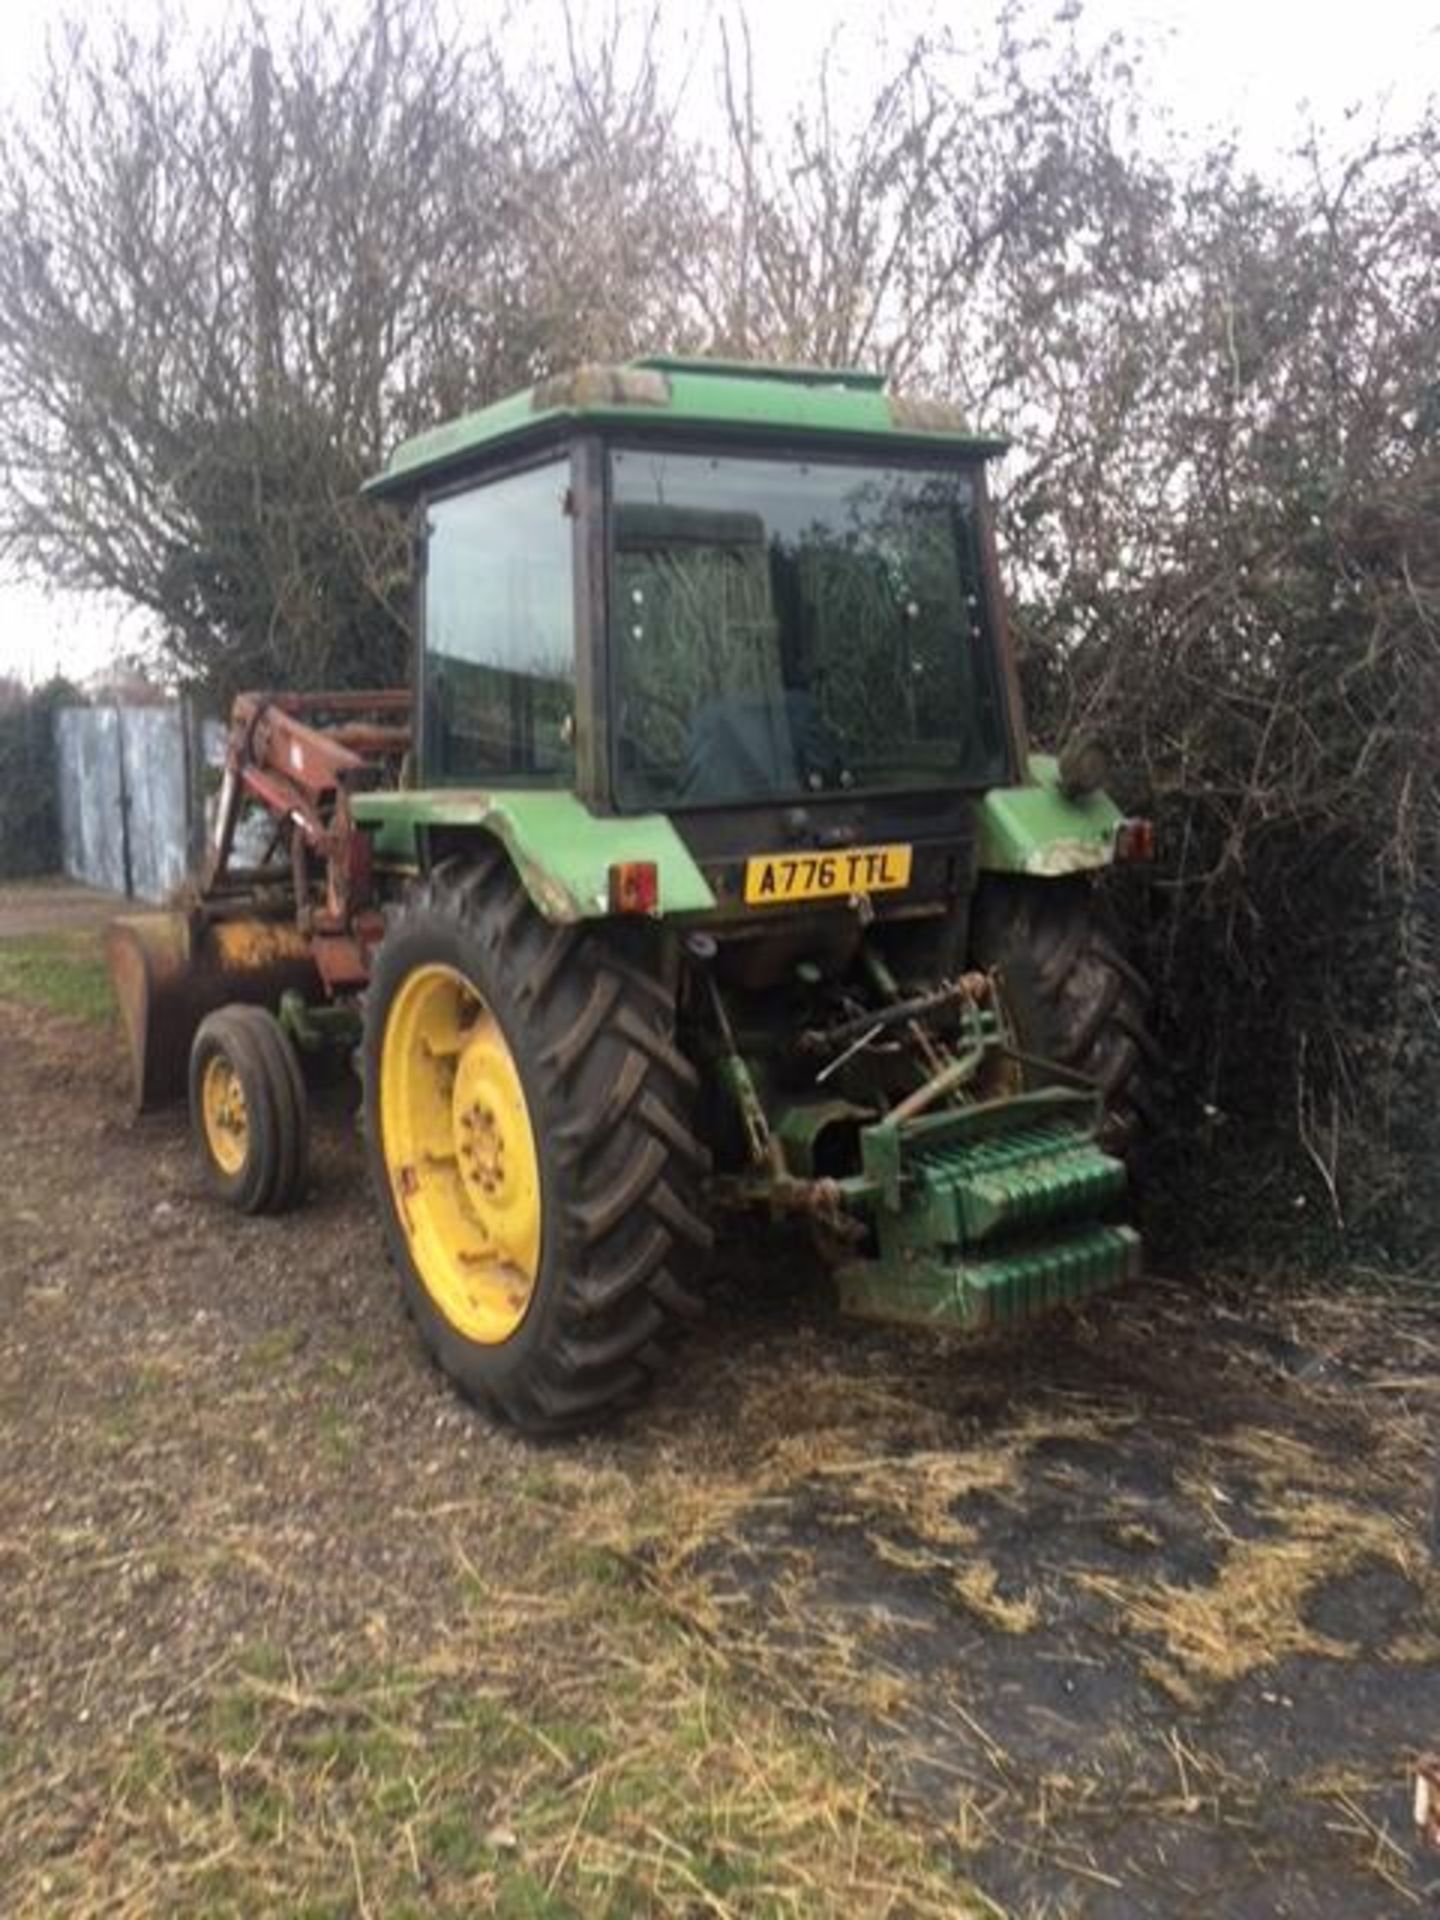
point(461, 1152)
point(226, 1117)
point(481, 1146)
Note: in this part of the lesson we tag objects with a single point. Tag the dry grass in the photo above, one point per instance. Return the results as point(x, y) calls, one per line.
point(1252, 1614)
point(565, 1747)
point(1311, 1519)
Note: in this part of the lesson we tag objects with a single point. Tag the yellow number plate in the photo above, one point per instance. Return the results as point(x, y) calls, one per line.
point(773, 878)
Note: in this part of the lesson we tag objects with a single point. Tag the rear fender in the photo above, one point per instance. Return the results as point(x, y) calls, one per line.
point(1036, 830)
point(561, 851)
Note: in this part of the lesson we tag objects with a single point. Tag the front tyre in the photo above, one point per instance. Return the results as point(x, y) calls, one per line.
point(248, 1113)
point(529, 1137)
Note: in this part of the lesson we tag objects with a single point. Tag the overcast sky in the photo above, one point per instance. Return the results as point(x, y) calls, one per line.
point(1257, 67)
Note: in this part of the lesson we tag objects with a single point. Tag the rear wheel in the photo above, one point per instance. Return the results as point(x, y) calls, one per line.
point(529, 1134)
point(247, 1110)
point(1071, 995)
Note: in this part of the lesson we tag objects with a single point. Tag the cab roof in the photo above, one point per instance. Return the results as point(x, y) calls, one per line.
point(677, 396)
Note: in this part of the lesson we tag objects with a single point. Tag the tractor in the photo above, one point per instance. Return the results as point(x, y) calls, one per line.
point(703, 872)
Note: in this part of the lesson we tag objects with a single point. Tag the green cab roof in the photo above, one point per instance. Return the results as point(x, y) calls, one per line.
point(676, 396)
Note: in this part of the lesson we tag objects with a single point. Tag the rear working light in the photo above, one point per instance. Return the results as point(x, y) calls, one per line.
point(634, 886)
point(1135, 840)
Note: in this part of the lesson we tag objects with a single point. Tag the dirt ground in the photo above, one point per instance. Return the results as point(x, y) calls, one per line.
point(1132, 1616)
point(54, 906)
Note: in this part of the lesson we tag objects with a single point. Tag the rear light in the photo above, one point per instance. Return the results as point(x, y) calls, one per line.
point(1135, 840)
point(634, 887)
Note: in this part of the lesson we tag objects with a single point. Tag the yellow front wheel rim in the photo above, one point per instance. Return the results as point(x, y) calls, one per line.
point(460, 1154)
point(225, 1116)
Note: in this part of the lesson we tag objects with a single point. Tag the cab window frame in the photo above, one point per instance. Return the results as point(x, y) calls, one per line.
point(472, 480)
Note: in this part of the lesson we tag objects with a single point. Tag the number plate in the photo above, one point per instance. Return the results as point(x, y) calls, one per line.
point(774, 878)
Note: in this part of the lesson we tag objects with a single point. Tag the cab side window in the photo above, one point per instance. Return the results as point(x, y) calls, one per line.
point(499, 632)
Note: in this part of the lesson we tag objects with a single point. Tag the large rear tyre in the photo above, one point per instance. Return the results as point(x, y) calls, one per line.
point(248, 1111)
point(1071, 995)
point(529, 1137)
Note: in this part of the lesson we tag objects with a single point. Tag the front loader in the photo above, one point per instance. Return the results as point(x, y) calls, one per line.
point(704, 870)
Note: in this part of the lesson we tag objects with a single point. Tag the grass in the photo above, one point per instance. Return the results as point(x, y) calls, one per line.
point(587, 1735)
point(587, 1724)
point(629, 1775)
point(63, 972)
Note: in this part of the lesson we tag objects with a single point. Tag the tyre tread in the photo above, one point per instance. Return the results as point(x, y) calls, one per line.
point(623, 1152)
point(273, 1178)
point(1086, 1002)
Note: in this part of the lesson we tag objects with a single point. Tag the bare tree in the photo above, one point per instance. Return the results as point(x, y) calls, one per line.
point(232, 272)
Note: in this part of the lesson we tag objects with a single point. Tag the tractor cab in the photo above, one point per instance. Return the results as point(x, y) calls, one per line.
point(758, 604)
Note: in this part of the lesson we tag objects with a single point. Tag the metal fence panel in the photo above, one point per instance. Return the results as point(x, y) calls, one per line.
point(126, 802)
point(92, 839)
point(152, 740)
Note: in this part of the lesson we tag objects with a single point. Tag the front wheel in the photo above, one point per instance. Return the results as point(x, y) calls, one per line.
point(529, 1135)
point(248, 1113)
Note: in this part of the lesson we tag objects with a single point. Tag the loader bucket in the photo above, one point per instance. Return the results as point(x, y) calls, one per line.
point(171, 969)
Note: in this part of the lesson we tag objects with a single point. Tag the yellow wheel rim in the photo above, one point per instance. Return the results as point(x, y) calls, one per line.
point(224, 1114)
point(460, 1153)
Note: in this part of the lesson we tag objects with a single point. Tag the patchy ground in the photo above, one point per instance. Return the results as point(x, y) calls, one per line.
point(1133, 1617)
point(30, 907)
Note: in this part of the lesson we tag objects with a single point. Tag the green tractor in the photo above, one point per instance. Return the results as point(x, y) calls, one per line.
point(709, 874)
